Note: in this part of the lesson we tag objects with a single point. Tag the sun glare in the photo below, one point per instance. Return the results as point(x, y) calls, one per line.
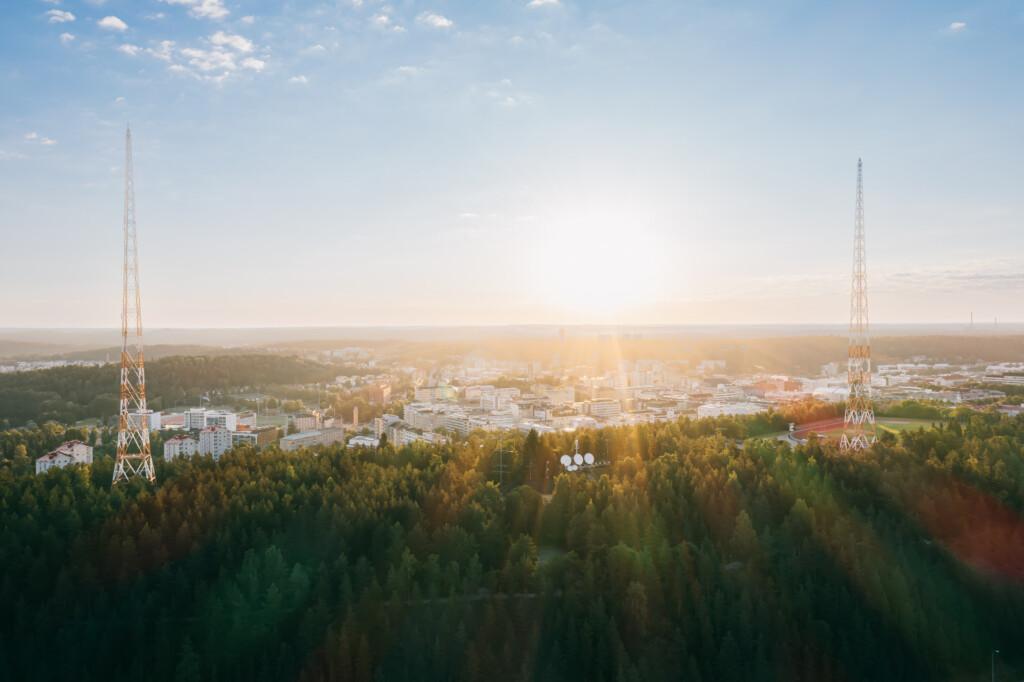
point(595, 268)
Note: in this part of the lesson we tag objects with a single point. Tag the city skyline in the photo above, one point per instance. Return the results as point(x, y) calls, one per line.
point(528, 162)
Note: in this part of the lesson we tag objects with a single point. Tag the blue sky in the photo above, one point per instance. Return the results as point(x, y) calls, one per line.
point(510, 161)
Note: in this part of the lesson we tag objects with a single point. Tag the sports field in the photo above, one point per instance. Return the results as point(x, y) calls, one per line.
point(833, 428)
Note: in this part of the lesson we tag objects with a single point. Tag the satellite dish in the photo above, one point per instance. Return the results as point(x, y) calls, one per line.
point(573, 467)
point(577, 459)
point(588, 458)
point(566, 460)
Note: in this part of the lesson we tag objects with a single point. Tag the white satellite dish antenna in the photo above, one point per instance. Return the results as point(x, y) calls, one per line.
point(577, 459)
point(588, 458)
point(573, 467)
point(566, 460)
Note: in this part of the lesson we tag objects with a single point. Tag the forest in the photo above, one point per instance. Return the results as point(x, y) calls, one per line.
point(694, 552)
point(68, 394)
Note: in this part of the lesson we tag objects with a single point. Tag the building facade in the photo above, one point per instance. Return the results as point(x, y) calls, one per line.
point(179, 446)
point(67, 454)
point(214, 440)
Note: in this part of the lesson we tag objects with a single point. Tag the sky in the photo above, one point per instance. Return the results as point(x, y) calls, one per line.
point(361, 162)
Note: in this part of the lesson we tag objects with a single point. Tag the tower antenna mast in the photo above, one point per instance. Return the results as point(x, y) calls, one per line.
point(133, 448)
point(859, 421)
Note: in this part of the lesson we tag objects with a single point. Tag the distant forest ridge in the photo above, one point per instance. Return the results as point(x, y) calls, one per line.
point(778, 354)
point(28, 341)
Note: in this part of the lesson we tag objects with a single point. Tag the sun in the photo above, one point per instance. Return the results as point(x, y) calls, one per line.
point(596, 268)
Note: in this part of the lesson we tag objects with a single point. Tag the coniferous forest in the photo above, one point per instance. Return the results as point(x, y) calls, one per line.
point(696, 554)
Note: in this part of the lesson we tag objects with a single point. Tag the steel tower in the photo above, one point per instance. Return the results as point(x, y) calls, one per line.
point(133, 449)
point(859, 421)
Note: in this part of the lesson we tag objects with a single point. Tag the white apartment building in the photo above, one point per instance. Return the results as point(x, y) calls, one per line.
point(214, 440)
point(195, 419)
point(427, 416)
point(729, 409)
point(457, 423)
point(498, 399)
point(223, 419)
point(362, 442)
point(429, 394)
point(503, 419)
point(198, 418)
point(604, 408)
point(307, 422)
point(727, 392)
point(473, 393)
point(66, 454)
point(399, 436)
point(179, 446)
point(149, 418)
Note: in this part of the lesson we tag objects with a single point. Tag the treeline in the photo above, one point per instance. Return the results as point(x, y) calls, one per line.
point(685, 557)
point(780, 354)
point(68, 394)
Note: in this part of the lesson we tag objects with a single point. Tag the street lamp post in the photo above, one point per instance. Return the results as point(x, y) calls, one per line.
point(994, 652)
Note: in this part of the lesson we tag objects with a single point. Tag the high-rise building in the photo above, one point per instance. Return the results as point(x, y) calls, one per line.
point(214, 440)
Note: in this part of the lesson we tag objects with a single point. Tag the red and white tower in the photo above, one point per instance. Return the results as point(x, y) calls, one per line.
point(133, 448)
point(859, 421)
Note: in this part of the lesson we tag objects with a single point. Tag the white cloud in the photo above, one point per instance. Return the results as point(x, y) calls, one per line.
point(66, 38)
point(408, 70)
point(249, 19)
point(119, 100)
point(241, 44)
point(202, 9)
point(130, 50)
point(219, 58)
point(383, 21)
point(164, 50)
point(503, 94)
point(210, 60)
point(41, 139)
point(301, 80)
point(10, 156)
point(315, 49)
point(434, 20)
point(112, 23)
point(957, 26)
point(59, 16)
point(544, 3)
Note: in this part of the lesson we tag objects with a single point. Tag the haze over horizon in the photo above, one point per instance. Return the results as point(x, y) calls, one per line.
point(522, 161)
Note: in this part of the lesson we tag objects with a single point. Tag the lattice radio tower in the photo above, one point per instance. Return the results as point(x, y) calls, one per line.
point(133, 450)
point(859, 421)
